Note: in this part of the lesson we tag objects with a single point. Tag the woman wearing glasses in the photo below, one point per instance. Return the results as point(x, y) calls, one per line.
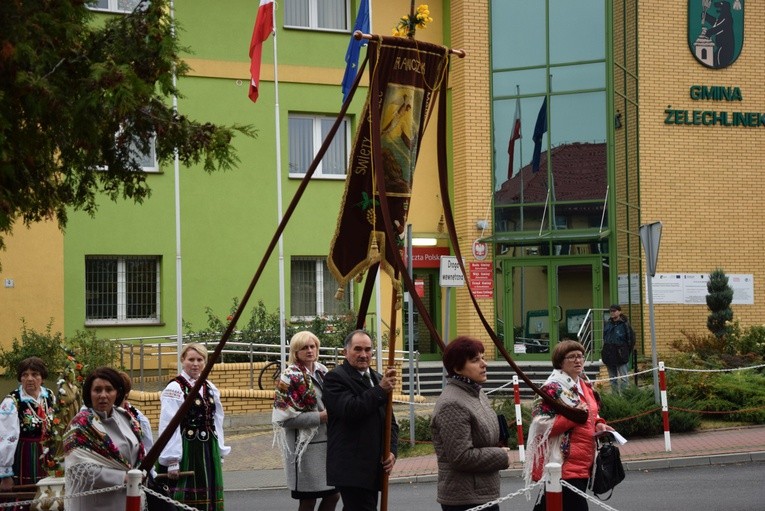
point(554, 438)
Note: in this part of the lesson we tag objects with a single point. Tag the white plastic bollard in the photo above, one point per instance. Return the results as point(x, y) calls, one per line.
point(553, 488)
point(133, 501)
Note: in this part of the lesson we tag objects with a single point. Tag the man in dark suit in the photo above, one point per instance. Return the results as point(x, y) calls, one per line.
point(356, 397)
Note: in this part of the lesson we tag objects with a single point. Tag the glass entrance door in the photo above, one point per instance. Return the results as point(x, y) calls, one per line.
point(546, 300)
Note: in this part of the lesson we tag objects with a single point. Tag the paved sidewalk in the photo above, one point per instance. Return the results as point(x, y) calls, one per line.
point(255, 464)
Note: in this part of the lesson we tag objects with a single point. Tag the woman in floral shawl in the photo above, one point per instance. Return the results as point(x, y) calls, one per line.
point(300, 425)
point(102, 443)
point(554, 438)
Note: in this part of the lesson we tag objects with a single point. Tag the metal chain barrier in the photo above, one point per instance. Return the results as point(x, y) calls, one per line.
point(509, 496)
point(168, 499)
point(590, 498)
point(713, 370)
point(66, 497)
point(628, 375)
point(96, 492)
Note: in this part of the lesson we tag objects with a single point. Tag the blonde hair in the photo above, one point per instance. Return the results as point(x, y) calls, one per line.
point(299, 341)
point(198, 347)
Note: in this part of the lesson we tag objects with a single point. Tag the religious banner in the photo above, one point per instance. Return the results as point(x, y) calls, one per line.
point(409, 74)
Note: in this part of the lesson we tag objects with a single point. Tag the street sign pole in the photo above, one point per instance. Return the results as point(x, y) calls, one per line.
point(650, 236)
point(450, 275)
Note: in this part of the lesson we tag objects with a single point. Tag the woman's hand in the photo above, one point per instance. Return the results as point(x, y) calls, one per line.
point(602, 426)
point(509, 457)
point(173, 471)
point(323, 417)
point(6, 483)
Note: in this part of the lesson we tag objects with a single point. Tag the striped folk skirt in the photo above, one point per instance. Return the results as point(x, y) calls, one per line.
point(204, 489)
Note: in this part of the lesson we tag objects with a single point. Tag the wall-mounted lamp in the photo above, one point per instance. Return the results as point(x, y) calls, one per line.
point(424, 242)
point(482, 225)
point(618, 120)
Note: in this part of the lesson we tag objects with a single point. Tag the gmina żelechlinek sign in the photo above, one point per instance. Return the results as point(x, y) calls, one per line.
point(715, 94)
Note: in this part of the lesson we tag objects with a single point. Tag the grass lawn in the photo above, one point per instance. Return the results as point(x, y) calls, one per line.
point(404, 451)
point(707, 424)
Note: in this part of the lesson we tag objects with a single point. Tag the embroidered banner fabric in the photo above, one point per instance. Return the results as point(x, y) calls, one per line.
point(409, 76)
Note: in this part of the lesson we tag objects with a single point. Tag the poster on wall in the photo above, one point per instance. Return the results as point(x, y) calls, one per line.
point(482, 279)
point(691, 288)
point(629, 288)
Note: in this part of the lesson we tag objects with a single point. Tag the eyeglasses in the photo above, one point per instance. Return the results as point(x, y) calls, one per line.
point(573, 358)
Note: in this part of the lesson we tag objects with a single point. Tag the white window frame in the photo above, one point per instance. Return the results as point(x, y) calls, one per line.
point(151, 169)
point(317, 139)
point(122, 293)
point(322, 279)
point(113, 6)
point(152, 156)
point(313, 17)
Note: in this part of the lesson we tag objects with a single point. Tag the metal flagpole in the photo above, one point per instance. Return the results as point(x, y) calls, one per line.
point(523, 206)
point(177, 196)
point(282, 320)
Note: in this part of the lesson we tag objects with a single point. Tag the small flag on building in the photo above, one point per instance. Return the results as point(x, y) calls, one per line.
point(540, 128)
point(354, 47)
point(515, 135)
point(264, 27)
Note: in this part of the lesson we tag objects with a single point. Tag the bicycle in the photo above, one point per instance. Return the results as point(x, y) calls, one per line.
point(271, 371)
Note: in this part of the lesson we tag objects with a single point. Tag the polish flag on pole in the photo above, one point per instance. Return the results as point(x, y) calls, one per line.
point(264, 26)
point(515, 135)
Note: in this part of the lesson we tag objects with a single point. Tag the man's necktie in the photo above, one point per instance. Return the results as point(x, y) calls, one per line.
point(367, 379)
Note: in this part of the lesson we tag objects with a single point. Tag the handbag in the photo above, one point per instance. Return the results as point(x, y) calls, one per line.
point(608, 468)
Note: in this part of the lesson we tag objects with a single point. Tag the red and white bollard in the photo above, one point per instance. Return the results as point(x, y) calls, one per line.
point(519, 419)
point(553, 488)
point(133, 501)
point(664, 406)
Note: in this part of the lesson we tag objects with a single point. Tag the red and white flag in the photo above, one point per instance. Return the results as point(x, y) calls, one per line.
point(264, 26)
point(515, 135)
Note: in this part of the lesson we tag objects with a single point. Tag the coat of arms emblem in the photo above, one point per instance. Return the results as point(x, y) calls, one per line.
point(716, 31)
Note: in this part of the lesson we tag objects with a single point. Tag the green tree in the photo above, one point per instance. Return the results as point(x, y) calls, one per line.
point(78, 94)
point(718, 301)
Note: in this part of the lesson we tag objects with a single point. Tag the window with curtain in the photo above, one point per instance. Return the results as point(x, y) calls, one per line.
point(313, 288)
point(306, 134)
point(317, 14)
point(122, 289)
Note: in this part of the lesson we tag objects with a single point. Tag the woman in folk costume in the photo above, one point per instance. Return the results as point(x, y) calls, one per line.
point(102, 443)
point(26, 416)
point(197, 444)
point(554, 438)
point(300, 425)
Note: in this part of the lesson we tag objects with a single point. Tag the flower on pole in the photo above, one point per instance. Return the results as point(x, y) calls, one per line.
point(409, 24)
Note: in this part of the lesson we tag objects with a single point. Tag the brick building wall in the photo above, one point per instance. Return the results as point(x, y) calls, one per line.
point(471, 140)
point(704, 183)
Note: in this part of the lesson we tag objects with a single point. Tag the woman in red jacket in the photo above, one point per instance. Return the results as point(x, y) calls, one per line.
point(554, 438)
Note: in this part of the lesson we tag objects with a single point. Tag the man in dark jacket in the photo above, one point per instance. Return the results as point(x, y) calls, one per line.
point(618, 343)
point(356, 397)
